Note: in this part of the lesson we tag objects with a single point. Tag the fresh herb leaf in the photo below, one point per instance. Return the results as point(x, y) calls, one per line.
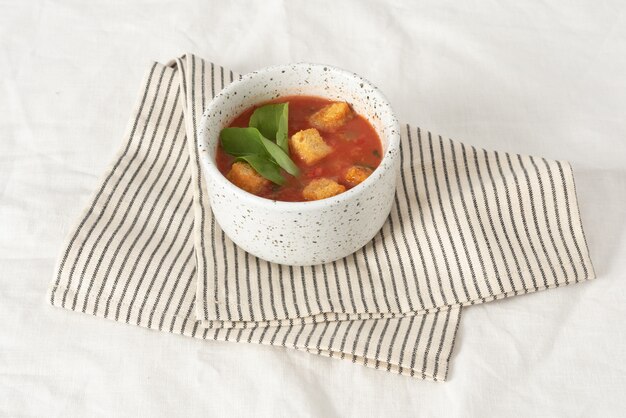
point(242, 141)
point(281, 158)
point(376, 153)
point(265, 167)
point(264, 144)
point(272, 120)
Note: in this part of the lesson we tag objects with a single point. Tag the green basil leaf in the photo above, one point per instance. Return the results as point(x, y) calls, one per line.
point(281, 158)
point(272, 120)
point(265, 167)
point(242, 141)
point(282, 135)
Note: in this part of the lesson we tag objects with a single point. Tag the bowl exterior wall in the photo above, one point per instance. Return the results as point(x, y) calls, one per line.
point(309, 237)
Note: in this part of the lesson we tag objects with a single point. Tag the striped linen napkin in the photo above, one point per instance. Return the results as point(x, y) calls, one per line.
point(468, 226)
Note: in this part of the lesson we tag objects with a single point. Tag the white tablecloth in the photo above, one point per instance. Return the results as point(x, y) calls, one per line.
point(536, 77)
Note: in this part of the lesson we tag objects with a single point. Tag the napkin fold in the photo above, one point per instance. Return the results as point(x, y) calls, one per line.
point(468, 226)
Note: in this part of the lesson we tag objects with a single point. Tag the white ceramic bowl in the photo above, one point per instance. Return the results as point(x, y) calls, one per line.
point(301, 233)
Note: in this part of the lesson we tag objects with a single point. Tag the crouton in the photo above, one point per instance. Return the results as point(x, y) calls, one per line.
point(331, 117)
point(356, 174)
point(309, 146)
point(321, 189)
point(245, 177)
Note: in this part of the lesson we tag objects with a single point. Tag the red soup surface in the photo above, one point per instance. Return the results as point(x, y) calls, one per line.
point(355, 143)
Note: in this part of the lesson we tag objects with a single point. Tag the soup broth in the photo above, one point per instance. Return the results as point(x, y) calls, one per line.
point(333, 147)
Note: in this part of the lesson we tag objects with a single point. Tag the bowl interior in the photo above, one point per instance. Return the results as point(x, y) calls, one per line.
point(297, 79)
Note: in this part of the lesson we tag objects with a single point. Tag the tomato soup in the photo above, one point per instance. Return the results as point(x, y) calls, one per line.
point(333, 147)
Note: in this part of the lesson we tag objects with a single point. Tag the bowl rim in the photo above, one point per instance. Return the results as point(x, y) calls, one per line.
point(209, 167)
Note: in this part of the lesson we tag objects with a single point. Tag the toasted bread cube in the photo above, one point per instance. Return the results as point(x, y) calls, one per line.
point(331, 117)
point(309, 146)
point(245, 177)
point(321, 189)
point(356, 174)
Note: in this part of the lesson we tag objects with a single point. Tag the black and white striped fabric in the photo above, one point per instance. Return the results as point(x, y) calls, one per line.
point(468, 226)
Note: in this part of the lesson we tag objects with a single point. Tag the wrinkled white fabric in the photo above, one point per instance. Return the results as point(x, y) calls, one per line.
point(535, 78)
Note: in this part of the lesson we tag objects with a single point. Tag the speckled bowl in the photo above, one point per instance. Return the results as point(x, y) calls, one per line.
point(301, 233)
